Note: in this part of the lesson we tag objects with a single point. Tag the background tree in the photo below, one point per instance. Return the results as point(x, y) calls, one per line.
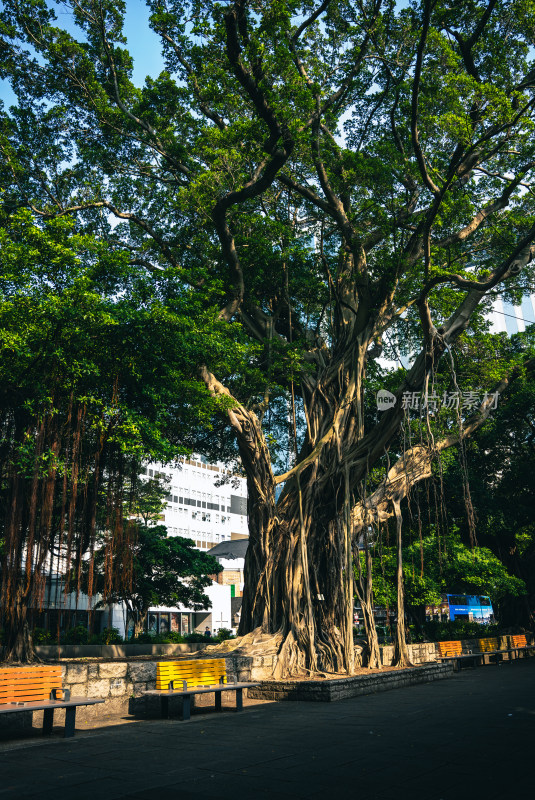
point(449, 566)
point(400, 140)
point(498, 468)
point(154, 569)
point(80, 407)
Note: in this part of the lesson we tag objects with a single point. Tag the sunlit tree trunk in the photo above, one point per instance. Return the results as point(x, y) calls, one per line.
point(401, 651)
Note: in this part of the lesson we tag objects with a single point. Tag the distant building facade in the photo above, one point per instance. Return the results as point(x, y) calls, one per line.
point(208, 504)
point(205, 502)
point(513, 319)
point(231, 556)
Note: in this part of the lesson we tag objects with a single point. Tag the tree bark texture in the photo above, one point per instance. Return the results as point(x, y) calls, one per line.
point(401, 651)
point(364, 591)
point(18, 644)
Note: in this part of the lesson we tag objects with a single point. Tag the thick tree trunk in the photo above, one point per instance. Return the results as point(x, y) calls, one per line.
point(298, 569)
point(304, 590)
point(18, 643)
point(298, 578)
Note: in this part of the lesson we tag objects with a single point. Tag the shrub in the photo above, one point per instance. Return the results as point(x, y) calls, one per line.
point(142, 638)
point(224, 633)
point(458, 629)
point(175, 638)
point(110, 636)
point(172, 637)
point(40, 636)
point(76, 635)
point(195, 637)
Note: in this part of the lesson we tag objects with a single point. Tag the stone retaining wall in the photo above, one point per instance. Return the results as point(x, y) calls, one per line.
point(342, 688)
point(424, 653)
point(51, 652)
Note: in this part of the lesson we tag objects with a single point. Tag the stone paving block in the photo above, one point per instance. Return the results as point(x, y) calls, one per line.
point(98, 688)
point(78, 689)
point(142, 671)
point(112, 669)
point(76, 673)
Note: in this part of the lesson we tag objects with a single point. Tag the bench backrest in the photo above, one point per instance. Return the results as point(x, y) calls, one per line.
point(28, 684)
point(488, 645)
point(519, 641)
point(450, 649)
point(197, 672)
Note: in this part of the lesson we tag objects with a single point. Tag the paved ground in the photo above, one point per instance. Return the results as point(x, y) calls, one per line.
point(471, 736)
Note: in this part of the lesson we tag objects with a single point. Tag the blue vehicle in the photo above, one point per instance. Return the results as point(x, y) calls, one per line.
point(475, 608)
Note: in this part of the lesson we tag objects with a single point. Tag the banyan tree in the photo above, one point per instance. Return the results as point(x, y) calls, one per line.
point(314, 187)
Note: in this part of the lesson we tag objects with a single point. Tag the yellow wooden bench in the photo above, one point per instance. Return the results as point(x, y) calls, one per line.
point(196, 676)
point(190, 674)
point(491, 648)
point(488, 645)
point(38, 688)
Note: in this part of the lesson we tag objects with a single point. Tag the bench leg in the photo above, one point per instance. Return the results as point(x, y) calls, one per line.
point(164, 707)
point(218, 698)
point(239, 699)
point(48, 721)
point(186, 707)
point(70, 720)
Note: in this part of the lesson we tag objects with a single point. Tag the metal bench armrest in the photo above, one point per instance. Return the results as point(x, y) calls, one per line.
point(171, 685)
point(65, 695)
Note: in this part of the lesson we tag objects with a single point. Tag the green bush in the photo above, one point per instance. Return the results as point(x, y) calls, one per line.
point(159, 638)
point(190, 638)
point(175, 638)
point(142, 638)
point(110, 636)
point(76, 635)
point(224, 633)
point(458, 629)
point(40, 636)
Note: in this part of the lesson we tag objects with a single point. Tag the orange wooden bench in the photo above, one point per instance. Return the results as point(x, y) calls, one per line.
point(38, 688)
point(453, 651)
point(449, 649)
point(519, 644)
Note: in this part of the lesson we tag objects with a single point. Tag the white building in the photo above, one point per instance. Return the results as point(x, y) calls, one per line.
point(180, 619)
point(231, 556)
point(513, 319)
point(206, 502)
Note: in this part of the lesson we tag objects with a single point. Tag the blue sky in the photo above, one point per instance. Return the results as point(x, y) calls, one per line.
point(143, 43)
